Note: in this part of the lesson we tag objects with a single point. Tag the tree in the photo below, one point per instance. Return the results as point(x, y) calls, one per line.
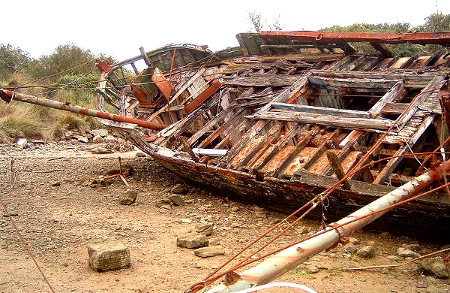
point(67, 59)
point(258, 22)
point(435, 23)
point(12, 59)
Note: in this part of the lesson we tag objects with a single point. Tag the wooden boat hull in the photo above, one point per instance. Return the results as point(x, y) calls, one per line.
point(426, 219)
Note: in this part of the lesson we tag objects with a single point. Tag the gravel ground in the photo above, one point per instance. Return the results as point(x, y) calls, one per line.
point(58, 198)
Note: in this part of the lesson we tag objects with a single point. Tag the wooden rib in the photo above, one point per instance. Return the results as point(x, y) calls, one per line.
point(320, 149)
point(391, 165)
point(244, 141)
point(432, 86)
point(298, 147)
point(397, 92)
point(263, 143)
point(219, 131)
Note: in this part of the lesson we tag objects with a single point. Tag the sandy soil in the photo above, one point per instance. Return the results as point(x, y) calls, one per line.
point(59, 212)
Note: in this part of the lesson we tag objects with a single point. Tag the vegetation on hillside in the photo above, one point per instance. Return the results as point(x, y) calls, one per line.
point(69, 74)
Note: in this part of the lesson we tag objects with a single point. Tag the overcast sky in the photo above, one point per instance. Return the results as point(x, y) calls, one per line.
point(119, 28)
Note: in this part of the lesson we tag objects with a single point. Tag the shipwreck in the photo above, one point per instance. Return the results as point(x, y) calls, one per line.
point(297, 122)
point(289, 116)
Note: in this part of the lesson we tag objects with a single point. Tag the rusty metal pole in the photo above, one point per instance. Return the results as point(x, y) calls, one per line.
point(9, 96)
point(335, 233)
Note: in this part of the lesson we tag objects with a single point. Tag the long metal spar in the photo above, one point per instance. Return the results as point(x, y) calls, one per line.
point(8, 96)
point(335, 233)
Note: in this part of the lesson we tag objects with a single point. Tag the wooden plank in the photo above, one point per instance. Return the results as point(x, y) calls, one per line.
point(395, 93)
point(327, 120)
point(243, 142)
point(391, 165)
point(303, 142)
point(320, 150)
point(219, 131)
point(182, 125)
point(249, 152)
point(209, 126)
point(321, 110)
point(188, 83)
point(288, 93)
point(203, 96)
point(261, 80)
point(412, 80)
point(353, 83)
point(273, 149)
point(433, 86)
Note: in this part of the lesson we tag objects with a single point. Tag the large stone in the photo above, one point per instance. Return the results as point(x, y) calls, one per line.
point(209, 251)
point(367, 251)
point(180, 189)
point(177, 200)
point(108, 256)
point(99, 132)
point(128, 197)
point(405, 252)
point(205, 229)
point(192, 240)
point(435, 266)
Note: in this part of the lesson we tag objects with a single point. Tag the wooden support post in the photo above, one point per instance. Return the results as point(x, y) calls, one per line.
point(188, 149)
point(337, 168)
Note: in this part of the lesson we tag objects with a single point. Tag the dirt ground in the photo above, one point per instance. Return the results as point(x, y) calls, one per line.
point(59, 212)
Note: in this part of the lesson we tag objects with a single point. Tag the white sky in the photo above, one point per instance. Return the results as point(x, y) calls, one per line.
point(119, 28)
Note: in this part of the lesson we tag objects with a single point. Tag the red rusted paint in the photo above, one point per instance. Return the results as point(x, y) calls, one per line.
point(162, 83)
point(381, 38)
point(6, 95)
point(215, 85)
point(103, 66)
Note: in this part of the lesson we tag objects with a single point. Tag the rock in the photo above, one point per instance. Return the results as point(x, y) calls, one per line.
point(205, 229)
point(99, 132)
point(412, 246)
point(177, 200)
point(353, 240)
point(404, 252)
point(101, 150)
point(128, 197)
point(311, 269)
point(367, 251)
point(109, 138)
point(209, 251)
point(180, 189)
point(192, 240)
point(350, 248)
point(81, 138)
point(22, 143)
point(435, 266)
point(98, 139)
point(261, 214)
point(108, 256)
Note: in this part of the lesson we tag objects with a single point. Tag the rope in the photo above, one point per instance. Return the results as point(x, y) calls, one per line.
point(24, 242)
